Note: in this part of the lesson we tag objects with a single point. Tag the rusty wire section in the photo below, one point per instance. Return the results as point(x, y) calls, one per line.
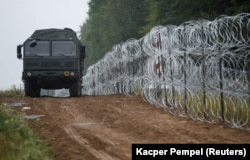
point(199, 69)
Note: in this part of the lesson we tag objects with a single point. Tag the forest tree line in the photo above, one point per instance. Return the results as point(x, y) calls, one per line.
point(113, 21)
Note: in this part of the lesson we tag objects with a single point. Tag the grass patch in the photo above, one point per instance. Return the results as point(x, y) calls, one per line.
point(208, 106)
point(236, 110)
point(17, 141)
point(137, 89)
point(13, 92)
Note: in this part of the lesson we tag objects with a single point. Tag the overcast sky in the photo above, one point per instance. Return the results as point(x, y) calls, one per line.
point(20, 18)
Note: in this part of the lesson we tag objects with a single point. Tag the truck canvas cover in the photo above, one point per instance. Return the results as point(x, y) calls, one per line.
point(55, 34)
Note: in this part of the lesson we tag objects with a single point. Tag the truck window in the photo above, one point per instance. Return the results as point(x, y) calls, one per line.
point(40, 49)
point(63, 48)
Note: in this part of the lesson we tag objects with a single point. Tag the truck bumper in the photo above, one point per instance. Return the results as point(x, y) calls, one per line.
point(52, 79)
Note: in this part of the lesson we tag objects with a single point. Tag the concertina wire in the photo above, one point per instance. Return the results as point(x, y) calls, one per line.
point(199, 69)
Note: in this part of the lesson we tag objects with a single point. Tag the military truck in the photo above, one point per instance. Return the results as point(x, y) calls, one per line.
point(52, 59)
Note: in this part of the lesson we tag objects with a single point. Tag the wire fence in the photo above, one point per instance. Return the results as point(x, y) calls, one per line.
point(199, 69)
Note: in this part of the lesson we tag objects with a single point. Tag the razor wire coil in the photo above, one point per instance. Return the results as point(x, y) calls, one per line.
point(199, 69)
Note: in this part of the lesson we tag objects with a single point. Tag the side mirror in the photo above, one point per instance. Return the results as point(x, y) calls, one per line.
point(33, 43)
point(83, 48)
point(19, 51)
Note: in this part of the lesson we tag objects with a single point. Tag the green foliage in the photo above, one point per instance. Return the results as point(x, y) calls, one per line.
point(17, 140)
point(175, 12)
point(113, 21)
point(13, 92)
point(238, 6)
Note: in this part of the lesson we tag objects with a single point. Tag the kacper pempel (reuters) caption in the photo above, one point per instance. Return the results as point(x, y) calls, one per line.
point(186, 151)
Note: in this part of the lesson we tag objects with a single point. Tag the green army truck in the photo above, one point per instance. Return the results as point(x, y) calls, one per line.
point(52, 59)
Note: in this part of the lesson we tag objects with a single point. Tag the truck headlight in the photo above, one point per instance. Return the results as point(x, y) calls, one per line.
point(72, 74)
point(66, 73)
point(28, 74)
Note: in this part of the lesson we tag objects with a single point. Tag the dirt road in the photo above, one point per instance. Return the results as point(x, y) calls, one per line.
point(104, 127)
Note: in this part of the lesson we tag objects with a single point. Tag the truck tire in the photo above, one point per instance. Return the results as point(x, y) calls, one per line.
point(27, 89)
point(31, 90)
point(37, 91)
point(75, 90)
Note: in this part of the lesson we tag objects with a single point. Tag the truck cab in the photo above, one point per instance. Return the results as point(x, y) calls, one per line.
point(52, 59)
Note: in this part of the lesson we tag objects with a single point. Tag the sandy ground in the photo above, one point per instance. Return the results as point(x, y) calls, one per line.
point(104, 127)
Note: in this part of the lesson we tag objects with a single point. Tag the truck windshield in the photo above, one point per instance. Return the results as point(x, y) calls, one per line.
point(40, 49)
point(63, 48)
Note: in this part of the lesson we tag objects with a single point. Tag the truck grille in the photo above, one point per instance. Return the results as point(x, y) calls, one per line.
point(51, 64)
point(68, 64)
point(48, 64)
point(32, 64)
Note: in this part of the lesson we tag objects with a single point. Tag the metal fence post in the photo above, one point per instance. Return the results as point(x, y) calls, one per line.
point(204, 85)
point(248, 77)
point(185, 77)
point(171, 71)
point(203, 78)
point(220, 75)
point(185, 83)
point(221, 85)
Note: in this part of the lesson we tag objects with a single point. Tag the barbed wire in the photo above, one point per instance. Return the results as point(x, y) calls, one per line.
point(199, 69)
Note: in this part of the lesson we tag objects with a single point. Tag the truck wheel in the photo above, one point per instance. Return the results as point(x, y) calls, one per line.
point(75, 90)
point(37, 91)
point(31, 90)
point(27, 89)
